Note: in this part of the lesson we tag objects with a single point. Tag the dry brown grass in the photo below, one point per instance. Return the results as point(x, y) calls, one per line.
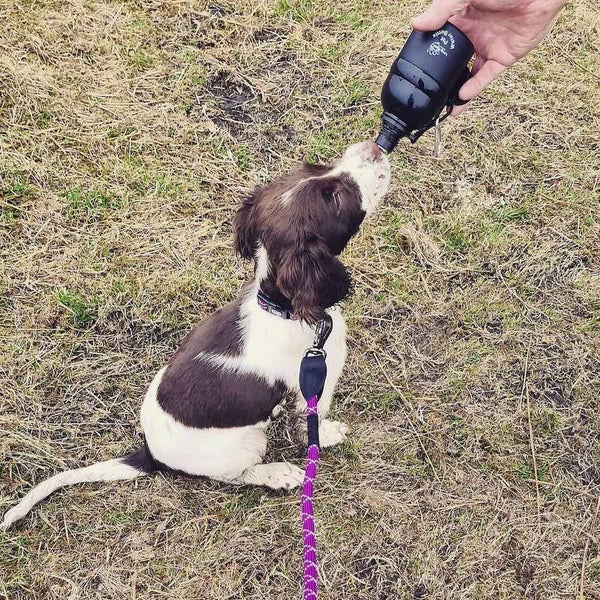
point(128, 133)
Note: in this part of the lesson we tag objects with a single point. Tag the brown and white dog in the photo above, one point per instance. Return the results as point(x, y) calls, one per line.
point(206, 412)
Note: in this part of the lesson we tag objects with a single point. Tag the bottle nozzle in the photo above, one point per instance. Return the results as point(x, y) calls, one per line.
point(381, 146)
point(392, 129)
point(384, 143)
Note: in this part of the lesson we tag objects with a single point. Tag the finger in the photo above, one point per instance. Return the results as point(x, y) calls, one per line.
point(460, 108)
point(481, 79)
point(437, 13)
point(457, 110)
point(479, 62)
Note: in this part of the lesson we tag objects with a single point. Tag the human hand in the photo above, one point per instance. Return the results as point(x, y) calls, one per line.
point(502, 32)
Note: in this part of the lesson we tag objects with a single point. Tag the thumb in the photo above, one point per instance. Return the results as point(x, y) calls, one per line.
point(437, 13)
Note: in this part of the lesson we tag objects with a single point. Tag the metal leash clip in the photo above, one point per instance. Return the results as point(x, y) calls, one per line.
point(313, 369)
point(322, 332)
point(315, 352)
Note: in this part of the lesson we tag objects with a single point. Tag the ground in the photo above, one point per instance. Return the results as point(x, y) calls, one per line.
point(129, 132)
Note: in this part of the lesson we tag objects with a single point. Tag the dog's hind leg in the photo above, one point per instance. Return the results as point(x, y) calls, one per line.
point(277, 476)
point(238, 460)
point(129, 467)
point(229, 454)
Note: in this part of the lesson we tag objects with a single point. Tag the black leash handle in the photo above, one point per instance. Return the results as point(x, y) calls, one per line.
point(313, 372)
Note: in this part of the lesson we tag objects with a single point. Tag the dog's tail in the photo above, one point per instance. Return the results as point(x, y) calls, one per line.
point(136, 464)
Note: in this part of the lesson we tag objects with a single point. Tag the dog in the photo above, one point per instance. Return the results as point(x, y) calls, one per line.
point(206, 412)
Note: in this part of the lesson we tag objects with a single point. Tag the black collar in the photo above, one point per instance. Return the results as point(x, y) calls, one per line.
point(272, 307)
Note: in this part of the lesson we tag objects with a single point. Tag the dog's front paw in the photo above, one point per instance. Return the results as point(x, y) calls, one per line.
point(332, 432)
point(282, 476)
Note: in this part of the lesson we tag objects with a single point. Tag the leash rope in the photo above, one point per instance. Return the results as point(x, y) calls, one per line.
point(308, 522)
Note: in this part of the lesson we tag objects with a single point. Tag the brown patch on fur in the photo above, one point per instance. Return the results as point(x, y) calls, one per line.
point(199, 394)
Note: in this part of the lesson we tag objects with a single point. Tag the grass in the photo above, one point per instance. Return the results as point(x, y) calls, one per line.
point(79, 311)
point(130, 131)
point(354, 91)
point(90, 203)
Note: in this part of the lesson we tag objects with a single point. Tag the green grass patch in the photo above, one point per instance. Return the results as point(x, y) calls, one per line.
point(15, 191)
point(43, 119)
point(332, 52)
point(139, 25)
point(302, 11)
point(122, 287)
point(489, 312)
point(495, 234)
point(382, 404)
point(247, 500)
point(117, 517)
point(457, 238)
point(332, 141)
point(140, 61)
point(511, 213)
point(370, 121)
point(524, 470)
point(243, 157)
point(80, 311)
point(198, 79)
point(326, 144)
point(121, 133)
point(402, 288)
point(390, 230)
point(348, 453)
point(414, 465)
point(458, 428)
point(143, 179)
point(353, 20)
point(546, 423)
point(591, 325)
point(93, 204)
point(14, 550)
point(408, 462)
point(355, 90)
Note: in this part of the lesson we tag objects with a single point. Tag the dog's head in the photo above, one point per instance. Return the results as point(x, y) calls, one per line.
point(297, 226)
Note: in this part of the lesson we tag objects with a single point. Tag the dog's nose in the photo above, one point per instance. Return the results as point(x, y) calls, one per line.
point(372, 151)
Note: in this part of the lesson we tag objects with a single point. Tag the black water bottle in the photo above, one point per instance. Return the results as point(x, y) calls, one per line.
point(424, 79)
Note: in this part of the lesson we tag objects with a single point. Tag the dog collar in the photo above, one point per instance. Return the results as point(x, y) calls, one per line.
point(272, 307)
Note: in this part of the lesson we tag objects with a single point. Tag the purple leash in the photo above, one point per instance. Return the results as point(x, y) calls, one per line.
point(308, 522)
point(313, 371)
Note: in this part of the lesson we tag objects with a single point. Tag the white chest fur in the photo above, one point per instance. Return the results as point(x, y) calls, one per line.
point(273, 347)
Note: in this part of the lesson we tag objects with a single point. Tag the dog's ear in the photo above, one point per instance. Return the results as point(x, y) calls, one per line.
point(246, 230)
point(312, 278)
